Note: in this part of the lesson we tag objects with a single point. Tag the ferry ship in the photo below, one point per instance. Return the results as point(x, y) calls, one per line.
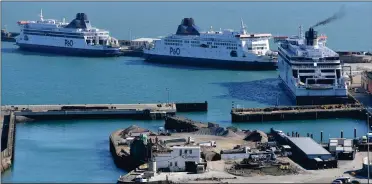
point(75, 38)
point(310, 71)
point(222, 49)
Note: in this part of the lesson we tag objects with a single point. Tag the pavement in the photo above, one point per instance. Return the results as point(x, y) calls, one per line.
point(309, 176)
point(159, 107)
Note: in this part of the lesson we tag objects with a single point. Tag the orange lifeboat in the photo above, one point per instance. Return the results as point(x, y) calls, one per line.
point(22, 22)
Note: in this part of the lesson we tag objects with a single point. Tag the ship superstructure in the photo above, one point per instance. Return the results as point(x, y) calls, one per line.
point(225, 49)
point(309, 70)
point(77, 37)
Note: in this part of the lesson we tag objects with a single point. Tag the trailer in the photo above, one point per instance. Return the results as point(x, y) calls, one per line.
point(342, 148)
point(209, 144)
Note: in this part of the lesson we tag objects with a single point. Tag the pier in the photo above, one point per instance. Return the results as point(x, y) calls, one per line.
point(88, 111)
point(17, 113)
point(7, 141)
point(309, 112)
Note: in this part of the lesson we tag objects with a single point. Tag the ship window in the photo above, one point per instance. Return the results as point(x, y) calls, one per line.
point(170, 164)
point(249, 48)
point(295, 73)
point(185, 151)
point(329, 71)
point(233, 53)
point(190, 151)
point(338, 73)
point(180, 152)
point(307, 71)
point(311, 81)
point(325, 81)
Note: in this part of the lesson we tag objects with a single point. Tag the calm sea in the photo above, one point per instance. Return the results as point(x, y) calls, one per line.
point(77, 151)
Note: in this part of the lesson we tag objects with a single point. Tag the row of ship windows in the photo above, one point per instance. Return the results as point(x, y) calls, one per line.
point(54, 35)
point(257, 48)
point(177, 41)
point(178, 44)
point(197, 42)
point(262, 44)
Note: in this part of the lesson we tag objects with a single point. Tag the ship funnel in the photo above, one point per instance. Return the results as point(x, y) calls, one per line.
point(311, 37)
point(187, 27)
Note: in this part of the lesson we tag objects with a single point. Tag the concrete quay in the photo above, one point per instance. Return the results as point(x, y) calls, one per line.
point(308, 112)
point(86, 111)
point(8, 129)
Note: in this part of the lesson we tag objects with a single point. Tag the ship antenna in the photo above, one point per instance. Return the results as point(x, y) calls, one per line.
point(211, 29)
point(243, 27)
point(300, 31)
point(41, 14)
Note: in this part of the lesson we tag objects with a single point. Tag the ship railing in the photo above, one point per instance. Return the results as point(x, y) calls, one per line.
point(320, 86)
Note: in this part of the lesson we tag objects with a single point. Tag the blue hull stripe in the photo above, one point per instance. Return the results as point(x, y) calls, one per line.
point(69, 51)
point(225, 64)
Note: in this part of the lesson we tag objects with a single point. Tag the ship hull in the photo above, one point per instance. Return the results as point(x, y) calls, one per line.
point(69, 51)
point(314, 100)
point(212, 63)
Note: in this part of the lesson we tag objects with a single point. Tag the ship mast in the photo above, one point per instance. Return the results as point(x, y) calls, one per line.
point(41, 15)
point(243, 31)
point(300, 32)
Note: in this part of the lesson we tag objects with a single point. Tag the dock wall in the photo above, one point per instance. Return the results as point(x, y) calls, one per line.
point(7, 137)
point(96, 114)
point(297, 113)
point(121, 158)
point(192, 107)
point(102, 111)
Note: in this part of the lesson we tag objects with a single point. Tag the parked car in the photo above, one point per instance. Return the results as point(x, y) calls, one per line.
point(337, 182)
point(344, 179)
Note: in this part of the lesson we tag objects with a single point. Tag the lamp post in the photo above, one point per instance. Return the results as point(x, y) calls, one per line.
point(167, 94)
point(368, 163)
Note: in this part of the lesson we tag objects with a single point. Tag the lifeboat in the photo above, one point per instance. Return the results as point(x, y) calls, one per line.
point(22, 22)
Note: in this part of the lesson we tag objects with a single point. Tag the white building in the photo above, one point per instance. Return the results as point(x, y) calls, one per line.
point(176, 157)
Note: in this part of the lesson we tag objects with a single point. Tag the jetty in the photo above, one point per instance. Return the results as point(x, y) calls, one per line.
point(307, 112)
point(18, 113)
point(108, 111)
point(7, 141)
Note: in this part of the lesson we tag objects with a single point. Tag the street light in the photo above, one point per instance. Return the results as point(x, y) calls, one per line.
point(368, 163)
point(167, 94)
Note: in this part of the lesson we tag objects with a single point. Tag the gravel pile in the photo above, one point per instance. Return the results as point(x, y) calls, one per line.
point(133, 128)
point(256, 136)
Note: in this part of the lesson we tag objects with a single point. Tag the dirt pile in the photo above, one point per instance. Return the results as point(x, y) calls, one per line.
point(181, 124)
point(132, 129)
point(256, 136)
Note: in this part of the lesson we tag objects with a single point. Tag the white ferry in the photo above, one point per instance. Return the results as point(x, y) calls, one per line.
point(76, 38)
point(227, 49)
point(311, 72)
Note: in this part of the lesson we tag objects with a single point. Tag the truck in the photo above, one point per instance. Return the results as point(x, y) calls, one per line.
point(209, 143)
point(342, 148)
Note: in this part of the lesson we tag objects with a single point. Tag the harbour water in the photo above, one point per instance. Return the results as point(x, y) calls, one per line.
point(78, 151)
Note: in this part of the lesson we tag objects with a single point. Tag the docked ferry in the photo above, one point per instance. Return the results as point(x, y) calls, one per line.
point(75, 38)
point(222, 49)
point(310, 71)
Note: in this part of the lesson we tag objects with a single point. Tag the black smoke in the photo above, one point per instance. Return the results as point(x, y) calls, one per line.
point(341, 13)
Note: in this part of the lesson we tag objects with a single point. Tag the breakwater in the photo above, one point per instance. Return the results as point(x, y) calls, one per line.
point(7, 141)
point(107, 111)
point(308, 112)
